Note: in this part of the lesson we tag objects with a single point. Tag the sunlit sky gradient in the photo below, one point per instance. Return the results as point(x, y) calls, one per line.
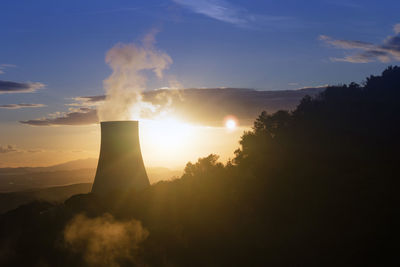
point(57, 49)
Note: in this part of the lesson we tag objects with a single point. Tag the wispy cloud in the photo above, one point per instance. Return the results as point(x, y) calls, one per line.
point(79, 116)
point(346, 3)
point(88, 100)
point(4, 149)
point(388, 51)
point(224, 11)
point(396, 28)
point(116, 10)
point(8, 149)
point(17, 87)
point(22, 105)
point(5, 66)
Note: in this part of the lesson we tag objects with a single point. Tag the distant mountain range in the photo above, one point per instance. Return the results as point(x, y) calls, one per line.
point(72, 172)
point(57, 183)
point(79, 164)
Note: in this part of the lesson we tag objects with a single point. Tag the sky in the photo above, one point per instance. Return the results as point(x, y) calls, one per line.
point(53, 55)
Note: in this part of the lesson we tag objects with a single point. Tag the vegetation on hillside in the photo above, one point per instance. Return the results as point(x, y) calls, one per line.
point(316, 186)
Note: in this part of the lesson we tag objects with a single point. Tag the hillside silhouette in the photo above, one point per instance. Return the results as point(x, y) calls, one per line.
point(57, 183)
point(316, 186)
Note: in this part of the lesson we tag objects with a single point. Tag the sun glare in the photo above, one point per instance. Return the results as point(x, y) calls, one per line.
point(167, 136)
point(168, 141)
point(231, 123)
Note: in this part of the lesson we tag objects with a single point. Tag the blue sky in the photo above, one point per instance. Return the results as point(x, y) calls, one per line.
point(251, 44)
point(60, 46)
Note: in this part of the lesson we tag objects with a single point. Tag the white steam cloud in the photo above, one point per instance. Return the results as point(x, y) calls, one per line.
point(125, 85)
point(104, 241)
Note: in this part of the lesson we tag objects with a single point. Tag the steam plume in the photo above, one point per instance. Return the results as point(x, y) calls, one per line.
point(104, 241)
point(128, 80)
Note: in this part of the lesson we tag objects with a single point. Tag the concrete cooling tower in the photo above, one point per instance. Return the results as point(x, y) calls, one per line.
point(120, 165)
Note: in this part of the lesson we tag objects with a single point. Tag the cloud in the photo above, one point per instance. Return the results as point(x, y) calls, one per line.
point(5, 66)
point(16, 87)
point(80, 116)
point(206, 106)
point(35, 150)
point(210, 106)
point(22, 105)
point(346, 3)
point(8, 149)
point(13, 148)
point(312, 90)
point(104, 241)
point(226, 12)
point(388, 51)
point(88, 100)
point(396, 28)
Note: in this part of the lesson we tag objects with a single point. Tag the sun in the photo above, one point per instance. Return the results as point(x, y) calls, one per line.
point(231, 123)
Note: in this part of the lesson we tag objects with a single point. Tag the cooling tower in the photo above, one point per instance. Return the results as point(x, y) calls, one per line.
point(120, 165)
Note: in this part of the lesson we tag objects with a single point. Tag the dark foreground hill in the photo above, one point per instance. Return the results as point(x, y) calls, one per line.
point(58, 194)
point(317, 186)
